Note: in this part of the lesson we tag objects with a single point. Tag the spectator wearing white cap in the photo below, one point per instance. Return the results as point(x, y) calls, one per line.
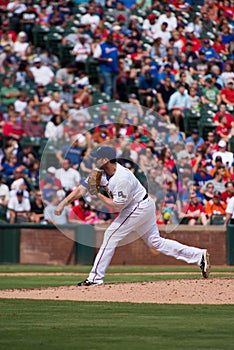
point(22, 46)
point(227, 157)
point(81, 51)
point(50, 174)
point(230, 212)
point(42, 74)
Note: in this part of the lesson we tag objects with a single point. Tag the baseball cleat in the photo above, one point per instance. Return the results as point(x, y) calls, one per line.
point(87, 283)
point(205, 264)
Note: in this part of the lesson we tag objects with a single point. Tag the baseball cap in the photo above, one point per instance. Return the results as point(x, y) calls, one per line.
point(217, 194)
point(51, 170)
point(104, 108)
point(195, 131)
point(20, 193)
point(132, 96)
point(152, 16)
point(218, 159)
point(116, 27)
point(104, 152)
point(37, 60)
point(222, 143)
point(189, 29)
point(230, 81)
point(121, 17)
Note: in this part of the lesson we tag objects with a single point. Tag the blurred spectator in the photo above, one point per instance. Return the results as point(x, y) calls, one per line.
point(210, 53)
point(169, 18)
point(66, 75)
point(210, 93)
point(26, 156)
point(227, 157)
point(28, 19)
point(9, 165)
point(230, 212)
point(217, 181)
point(219, 165)
point(209, 191)
point(37, 208)
point(54, 128)
point(50, 175)
point(18, 208)
point(148, 160)
point(227, 93)
point(66, 95)
point(69, 177)
point(56, 18)
point(49, 59)
point(42, 74)
point(194, 211)
point(21, 105)
point(12, 128)
point(81, 51)
point(215, 206)
point(44, 109)
point(82, 213)
point(228, 193)
point(195, 139)
point(83, 95)
point(202, 176)
point(22, 46)
point(90, 18)
point(164, 93)
point(4, 193)
point(55, 102)
point(33, 127)
point(199, 66)
point(150, 26)
point(147, 86)
point(107, 54)
point(8, 93)
point(23, 73)
point(223, 112)
point(40, 94)
point(49, 215)
point(228, 72)
point(179, 102)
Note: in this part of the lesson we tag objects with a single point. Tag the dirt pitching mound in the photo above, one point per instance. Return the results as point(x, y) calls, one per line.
point(192, 291)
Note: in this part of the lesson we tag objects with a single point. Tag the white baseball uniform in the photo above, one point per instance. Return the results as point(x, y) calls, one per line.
point(138, 215)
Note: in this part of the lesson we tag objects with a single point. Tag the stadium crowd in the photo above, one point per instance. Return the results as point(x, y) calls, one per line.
point(155, 79)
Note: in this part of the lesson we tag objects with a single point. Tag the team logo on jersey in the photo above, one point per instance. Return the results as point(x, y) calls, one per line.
point(120, 194)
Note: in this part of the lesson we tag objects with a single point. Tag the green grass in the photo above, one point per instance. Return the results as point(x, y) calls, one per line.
point(56, 325)
point(12, 282)
point(82, 269)
point(27, 281)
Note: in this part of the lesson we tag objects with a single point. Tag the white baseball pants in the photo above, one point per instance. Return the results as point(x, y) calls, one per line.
point(141, 219)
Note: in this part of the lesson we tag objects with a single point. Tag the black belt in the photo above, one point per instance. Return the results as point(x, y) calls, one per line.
point(146, 196)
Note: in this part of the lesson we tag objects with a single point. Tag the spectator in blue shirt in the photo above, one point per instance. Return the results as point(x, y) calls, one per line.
point(196, 140)
point(178, 103)
point(107, 54)
point(210, 53)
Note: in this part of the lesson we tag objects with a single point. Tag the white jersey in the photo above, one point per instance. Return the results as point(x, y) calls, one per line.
point(230, 207)
point(123, 187)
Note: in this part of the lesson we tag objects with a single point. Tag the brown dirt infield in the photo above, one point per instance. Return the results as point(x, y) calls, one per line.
point(192, 291)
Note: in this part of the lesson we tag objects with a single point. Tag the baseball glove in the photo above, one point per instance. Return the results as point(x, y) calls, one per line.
point(94, 181)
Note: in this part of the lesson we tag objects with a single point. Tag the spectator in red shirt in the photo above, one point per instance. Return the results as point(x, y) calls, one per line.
point(191, 38)
point(227, 93)
point(223, 112)
point(194, 211)
point(82, 213)
point(229, 193)
point(12, 128)
point(219, 46)
point(222, 129)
